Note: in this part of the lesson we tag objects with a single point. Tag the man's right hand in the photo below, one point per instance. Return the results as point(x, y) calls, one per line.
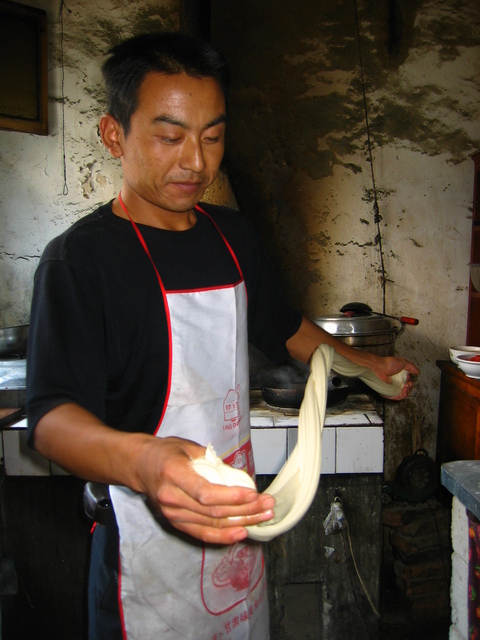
point(160, 468)
point(210, 512)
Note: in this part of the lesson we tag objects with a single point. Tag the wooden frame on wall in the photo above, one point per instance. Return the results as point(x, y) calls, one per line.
point(23, 68)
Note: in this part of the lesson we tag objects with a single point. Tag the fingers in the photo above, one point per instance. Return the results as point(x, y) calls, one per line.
point(210, 506)
point(395, 364)
point(411, 368)
point(226, 530)
point(408, 386)
point(405, 391)
point(213, 535)
point(215, 501)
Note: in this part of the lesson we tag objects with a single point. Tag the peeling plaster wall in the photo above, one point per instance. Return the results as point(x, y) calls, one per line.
point(299, 163)
point(47, 183)
point(36, 202)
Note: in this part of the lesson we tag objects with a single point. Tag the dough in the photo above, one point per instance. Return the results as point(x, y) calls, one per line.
point(213, 469)
point(296, 484)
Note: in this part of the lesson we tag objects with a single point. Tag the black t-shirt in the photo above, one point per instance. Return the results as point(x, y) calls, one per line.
point(98, 331)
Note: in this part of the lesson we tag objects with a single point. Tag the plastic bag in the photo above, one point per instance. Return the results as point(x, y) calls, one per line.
point(335, 521)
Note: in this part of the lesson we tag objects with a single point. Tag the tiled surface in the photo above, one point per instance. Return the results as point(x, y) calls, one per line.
point(19, 459)
point(269, 450)
point(359, 450)
point(352, 440)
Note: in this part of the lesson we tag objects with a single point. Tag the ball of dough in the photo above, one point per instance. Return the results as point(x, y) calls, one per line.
point(213, 469)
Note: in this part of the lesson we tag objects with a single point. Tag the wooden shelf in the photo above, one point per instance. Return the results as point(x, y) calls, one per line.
point(459, 415)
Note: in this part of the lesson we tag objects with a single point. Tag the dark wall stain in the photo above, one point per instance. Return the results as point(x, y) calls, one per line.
point(283, 130)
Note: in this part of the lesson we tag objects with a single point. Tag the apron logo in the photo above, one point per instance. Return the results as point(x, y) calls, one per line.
point(235, 568)
point(240, 460)
point(231, 410)
point(229, 576)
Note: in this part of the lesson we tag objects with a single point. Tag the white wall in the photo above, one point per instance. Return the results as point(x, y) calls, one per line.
point(33, 205)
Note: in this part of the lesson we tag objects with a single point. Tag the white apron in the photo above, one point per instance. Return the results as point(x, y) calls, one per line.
point(172, 586)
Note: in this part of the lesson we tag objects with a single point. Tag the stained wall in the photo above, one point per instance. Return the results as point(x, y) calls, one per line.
point(299, 159)
point(47, 183)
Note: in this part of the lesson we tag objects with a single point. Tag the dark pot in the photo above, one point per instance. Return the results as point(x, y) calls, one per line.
point(13, 341)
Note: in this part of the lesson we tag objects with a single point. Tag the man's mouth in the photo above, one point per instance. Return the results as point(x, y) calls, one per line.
point(188, 186)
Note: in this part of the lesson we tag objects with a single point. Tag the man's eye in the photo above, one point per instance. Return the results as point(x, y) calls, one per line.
point(170, 140)
point(212, 139)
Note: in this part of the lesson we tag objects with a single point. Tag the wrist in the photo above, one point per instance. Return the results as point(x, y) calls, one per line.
point(139, 449)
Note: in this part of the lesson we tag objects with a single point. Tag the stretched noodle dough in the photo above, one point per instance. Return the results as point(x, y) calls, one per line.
point(296, 484)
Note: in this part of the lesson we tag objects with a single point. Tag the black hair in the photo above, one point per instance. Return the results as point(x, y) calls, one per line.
point(162, 52)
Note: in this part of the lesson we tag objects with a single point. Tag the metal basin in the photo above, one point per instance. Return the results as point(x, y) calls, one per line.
point(374, 332)
point(13, 341)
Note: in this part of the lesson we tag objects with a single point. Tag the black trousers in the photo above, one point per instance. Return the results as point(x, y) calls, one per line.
point(103, 611)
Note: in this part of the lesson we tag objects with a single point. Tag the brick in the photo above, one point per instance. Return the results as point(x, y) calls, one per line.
point(413, 546)
point(427, 523)
point(423, 608)
point(397, 514)
point(422, 571)
point(422, 587)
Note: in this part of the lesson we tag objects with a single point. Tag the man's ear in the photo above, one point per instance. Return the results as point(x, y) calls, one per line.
point(110, 132)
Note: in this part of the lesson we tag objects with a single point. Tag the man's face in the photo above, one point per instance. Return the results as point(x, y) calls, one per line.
point(175, 144)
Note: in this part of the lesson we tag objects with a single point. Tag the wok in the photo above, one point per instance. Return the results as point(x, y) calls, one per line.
point(291, 396)
point(13, 341)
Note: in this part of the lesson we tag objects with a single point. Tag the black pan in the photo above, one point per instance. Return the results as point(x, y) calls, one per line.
point(291, 396)
point(13, 341)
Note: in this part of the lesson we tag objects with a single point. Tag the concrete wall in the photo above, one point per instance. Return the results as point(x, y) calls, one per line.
point(46, 183)
point(298, 158)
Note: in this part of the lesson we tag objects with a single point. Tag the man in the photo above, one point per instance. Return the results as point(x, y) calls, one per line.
point(138, 357)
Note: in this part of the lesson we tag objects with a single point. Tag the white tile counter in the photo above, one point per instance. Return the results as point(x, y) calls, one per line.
point(352, 439)
point(19, 459)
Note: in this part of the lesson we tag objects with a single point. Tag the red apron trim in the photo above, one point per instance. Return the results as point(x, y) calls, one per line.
point(201, 289)
point(232, 253)
point(119, 598)
point(165, 304)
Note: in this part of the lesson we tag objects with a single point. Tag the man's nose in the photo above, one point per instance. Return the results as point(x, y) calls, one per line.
point(192, 156)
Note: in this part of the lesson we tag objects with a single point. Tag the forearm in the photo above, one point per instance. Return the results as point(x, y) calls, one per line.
point(83, 445)
point(302, 345)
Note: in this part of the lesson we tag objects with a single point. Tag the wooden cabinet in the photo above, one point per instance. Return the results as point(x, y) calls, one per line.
point(458, 435)
point(473, 320)
point(459, 415)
